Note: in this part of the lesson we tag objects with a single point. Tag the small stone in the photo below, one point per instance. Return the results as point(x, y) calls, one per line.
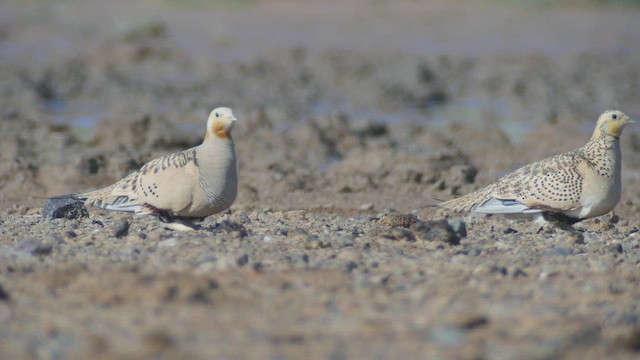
point(168, 243)
point(346, 242)
point(240, 217)
point(65, 208)
point(509, 230)
point(4, 295)
point(495, 269)
point(471, 322)
point(519, 273)
point(448, 336)
point(121, 229)
point(398, 233)
point(458, 226)
point(34, 247)
point(242, 260)
point(616, 248)
point(398, 220)
point(571, 238)
point(631, 341)
point(559, 251)
point(351, 265)
point(367, 206)
point(231, 228)
point(436, 231)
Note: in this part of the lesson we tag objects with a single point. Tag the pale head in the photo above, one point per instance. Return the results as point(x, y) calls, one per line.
point(612, 122)
point(220, 123)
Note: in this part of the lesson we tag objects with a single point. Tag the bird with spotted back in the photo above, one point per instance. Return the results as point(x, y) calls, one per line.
point(569, 187)
point(193, 183)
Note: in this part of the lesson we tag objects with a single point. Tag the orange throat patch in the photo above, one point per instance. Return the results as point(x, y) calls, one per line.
point(218, 129)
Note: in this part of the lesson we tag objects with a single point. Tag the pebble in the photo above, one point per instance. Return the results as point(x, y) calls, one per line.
point(64, 208)
point(4, 295)
point(570, 238)
point(121, 229)
point(242, 260)
point(439, 230)
point(367, 206)
point(509, 230)
point(448, 336)
point(240, 217)
point(398, 220)
point(458, 226)
point(168, 243)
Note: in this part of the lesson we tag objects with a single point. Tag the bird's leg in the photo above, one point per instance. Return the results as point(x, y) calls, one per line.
point(165, 216)
point(560, 218)
point(555, 221)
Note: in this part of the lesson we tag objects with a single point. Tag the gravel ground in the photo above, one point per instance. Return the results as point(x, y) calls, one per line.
point(353, 119)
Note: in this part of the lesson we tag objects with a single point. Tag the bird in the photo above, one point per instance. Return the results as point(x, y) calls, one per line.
point(186, 185)
point(565, 188)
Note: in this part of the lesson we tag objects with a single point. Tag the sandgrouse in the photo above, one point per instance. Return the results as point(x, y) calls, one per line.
point(193, 183)
point(569, 187)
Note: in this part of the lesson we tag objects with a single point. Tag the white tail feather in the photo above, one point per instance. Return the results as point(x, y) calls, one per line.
point(504, 206)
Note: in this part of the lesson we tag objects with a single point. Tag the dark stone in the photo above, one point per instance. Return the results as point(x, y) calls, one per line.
point(499, 270)
point(121, 229)
point(519, 273)
point(242, 260)
point(199, 296)
point(351, 265)
point(398, 233)
point(4, 295)
point(510, 231)
point(227, 227)
point(473, 322)
point(34, 247)
point(64, 208)
point(631, 341)
point(439, 230)
point(458, 226)
point(617, 248)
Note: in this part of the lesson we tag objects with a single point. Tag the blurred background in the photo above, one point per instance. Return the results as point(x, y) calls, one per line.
point(497, 83)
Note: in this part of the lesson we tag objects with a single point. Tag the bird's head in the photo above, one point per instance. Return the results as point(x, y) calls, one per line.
point(220, 123)
point(611, 123)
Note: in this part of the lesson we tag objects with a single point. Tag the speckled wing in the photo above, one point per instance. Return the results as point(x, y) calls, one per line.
point(167, 183)
point(553, 184)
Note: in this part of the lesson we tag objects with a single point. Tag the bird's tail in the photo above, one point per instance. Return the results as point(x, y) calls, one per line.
point(468, 202)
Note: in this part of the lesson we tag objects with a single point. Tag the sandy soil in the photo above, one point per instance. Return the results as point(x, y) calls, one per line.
point(354, 116)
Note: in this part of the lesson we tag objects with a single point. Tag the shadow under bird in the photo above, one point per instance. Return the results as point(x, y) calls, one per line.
point(569, 187)
point(193, 183)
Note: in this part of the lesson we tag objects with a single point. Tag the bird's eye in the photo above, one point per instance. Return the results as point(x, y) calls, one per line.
point(614, 116)
point(218, 115)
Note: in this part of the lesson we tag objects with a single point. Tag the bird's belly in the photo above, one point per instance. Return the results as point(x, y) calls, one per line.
point(202, 205)
point(601, 199)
